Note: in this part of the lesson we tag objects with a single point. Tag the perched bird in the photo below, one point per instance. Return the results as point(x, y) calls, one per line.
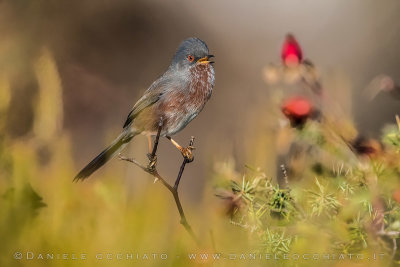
point(173, 100)
point(291, 54)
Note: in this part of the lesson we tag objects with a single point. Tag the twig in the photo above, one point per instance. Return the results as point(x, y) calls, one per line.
point(146, 169)
point(151, 169)
point(285, 176)
point(185, 161)
point(393, 235)
point(286, 186)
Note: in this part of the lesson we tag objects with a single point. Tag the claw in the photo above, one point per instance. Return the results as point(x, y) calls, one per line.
point(187, 153)
point(152, 162)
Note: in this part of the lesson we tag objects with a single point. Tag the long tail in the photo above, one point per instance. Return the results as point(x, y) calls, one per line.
point(116, 146)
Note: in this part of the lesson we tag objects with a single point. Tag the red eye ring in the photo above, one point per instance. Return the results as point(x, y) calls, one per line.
point(190, 58)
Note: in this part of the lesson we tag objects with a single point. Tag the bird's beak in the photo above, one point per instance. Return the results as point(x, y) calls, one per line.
point(205, 60)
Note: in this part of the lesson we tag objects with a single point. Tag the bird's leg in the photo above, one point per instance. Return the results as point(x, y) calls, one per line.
point(152, 156)
point(152, 159)
point(150, 143)
point(186, 151)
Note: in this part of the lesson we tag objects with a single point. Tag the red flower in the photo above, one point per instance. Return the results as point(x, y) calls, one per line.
point(291, 54)
point(297, 110)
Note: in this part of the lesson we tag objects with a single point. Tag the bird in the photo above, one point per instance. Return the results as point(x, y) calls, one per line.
point(170, 103)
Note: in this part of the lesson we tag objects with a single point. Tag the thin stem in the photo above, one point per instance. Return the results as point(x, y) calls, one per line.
point(285, 176)
point(185, 161)
point(174, 190)
point(153, 172)
point(183, 221)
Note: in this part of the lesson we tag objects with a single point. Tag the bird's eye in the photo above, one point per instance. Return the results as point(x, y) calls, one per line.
point(190, 58)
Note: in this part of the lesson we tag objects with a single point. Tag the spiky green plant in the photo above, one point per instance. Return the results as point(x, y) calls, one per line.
point(353, 203)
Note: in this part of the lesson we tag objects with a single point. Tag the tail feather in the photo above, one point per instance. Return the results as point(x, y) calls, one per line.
point(116, 146)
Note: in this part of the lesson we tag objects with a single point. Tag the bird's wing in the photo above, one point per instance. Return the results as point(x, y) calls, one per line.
point(151, 96)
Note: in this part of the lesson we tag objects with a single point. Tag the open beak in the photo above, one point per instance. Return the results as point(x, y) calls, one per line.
point(205, 60)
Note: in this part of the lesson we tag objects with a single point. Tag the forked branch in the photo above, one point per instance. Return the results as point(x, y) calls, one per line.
point(151, 169)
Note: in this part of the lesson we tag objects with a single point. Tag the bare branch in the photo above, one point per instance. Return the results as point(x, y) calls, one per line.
point(151, 169)
point(185, 161)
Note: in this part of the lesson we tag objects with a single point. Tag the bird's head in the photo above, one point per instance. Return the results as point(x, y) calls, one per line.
point(191, 51)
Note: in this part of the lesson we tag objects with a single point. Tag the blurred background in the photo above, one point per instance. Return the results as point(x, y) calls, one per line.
point(70, 71)
point(105, 54)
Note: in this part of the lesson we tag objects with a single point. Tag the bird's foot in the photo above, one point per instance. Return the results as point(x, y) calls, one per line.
point(152, 162)
point(187, 153)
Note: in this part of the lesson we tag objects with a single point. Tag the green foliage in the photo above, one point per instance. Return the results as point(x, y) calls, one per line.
point(392, 136)
point(275, 242)
point(322, 202)
point(353, 203)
